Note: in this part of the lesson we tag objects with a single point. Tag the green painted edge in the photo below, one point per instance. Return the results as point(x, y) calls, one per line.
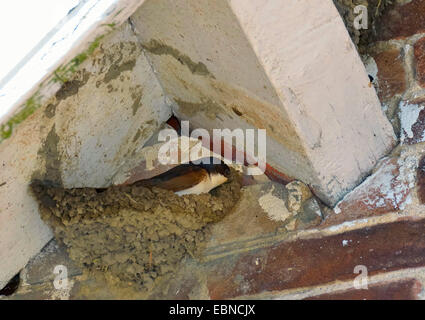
point(62, 75)
point(32, 104)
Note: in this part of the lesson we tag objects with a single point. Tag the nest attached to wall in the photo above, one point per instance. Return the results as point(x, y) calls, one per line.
point(134, 234)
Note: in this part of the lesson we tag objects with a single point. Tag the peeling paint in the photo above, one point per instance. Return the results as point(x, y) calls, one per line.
point(50, 110)
point(137, 97)
point(71, 88)
point(274, 206)
point(28, 109)
point(158, 48)
point(409, 114)
point(52, 163)
point(115, 70)
point(64, 73)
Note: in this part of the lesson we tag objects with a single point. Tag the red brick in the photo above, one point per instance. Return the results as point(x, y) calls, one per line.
point(310, 262)
point(383, 192)
point(420, 178)
point(402, 21)
point(419, 50)
point(391, 74)
point(174, 123)
point(399, 290)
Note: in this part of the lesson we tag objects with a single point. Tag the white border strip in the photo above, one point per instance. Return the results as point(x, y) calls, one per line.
point(70, 37)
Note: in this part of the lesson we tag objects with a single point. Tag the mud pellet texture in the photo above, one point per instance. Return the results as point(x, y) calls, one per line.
point(135, 235)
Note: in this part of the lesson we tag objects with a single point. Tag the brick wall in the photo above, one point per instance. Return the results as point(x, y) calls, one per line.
point(398, 55)
point(379, 225)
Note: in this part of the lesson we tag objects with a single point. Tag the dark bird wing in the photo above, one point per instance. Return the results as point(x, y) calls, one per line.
point(179, 178)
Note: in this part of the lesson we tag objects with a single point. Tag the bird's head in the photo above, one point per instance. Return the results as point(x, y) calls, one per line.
point(216, 169)
point(222, 169)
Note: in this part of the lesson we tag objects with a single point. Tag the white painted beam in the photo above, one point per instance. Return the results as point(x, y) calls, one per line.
point(286, 66)
point(315, 69)
point(81, 137)
point(72, 35)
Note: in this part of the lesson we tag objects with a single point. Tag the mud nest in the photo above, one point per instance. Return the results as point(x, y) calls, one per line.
point(134, 234)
